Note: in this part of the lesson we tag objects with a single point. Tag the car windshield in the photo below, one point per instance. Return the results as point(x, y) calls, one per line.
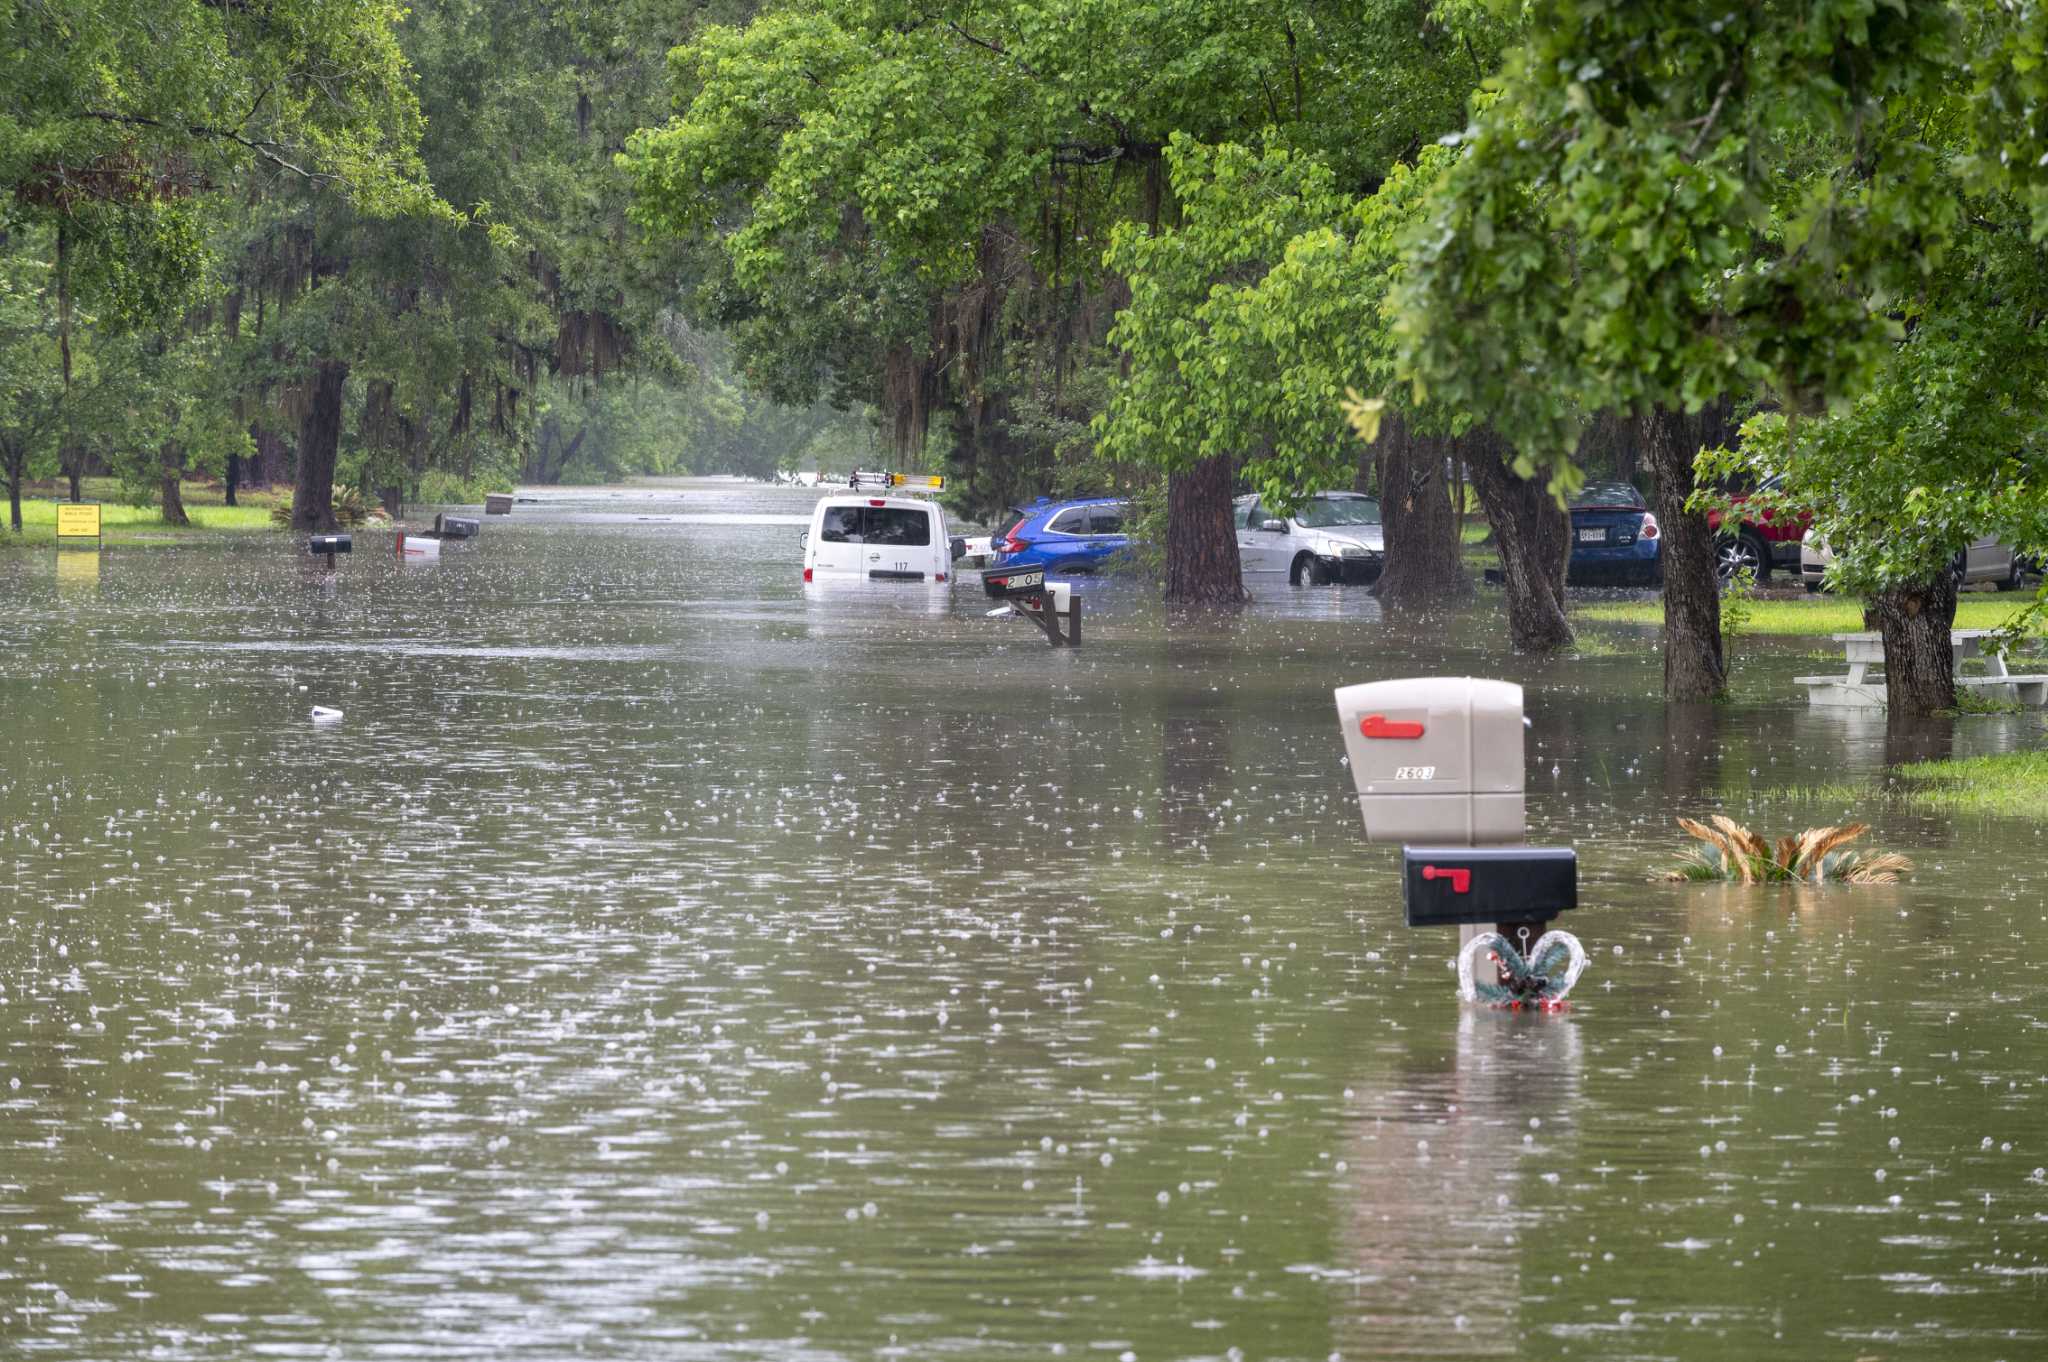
point(1608, 494)
point(1321, 513)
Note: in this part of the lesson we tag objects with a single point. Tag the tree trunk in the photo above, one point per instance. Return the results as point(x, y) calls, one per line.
point(1919, 660)
point(171, 459)
point(270, 456)
point(319, 442)
point(72, 455)
point(231, 479)
point(1533, 535)
point(1694, 668)
point(13, 465)
point(1424, 566)
point(1607, 446)
point(1202, 565)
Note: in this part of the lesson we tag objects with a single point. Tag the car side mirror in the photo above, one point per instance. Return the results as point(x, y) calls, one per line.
point(1274, 527)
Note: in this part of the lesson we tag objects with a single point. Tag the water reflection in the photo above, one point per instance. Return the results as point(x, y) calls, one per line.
point(1436, 1233)
point(78, 570)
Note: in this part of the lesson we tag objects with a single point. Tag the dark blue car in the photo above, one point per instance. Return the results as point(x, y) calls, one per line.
point(1614, 537)
point(1063, 536)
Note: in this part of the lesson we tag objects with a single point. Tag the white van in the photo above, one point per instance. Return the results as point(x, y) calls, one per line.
point(888, 539)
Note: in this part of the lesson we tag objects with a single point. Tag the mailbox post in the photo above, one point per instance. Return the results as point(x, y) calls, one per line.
point(1026, 592)
point(1438, 766)
point(328, 545)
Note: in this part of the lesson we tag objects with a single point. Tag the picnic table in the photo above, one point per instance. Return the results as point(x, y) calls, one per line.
point(1859, 690)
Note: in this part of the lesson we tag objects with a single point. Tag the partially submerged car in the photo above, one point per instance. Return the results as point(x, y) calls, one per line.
point(1615, 537)
point(1064, 536)
point(1332, 537)
point(1984, 560)
point(884, 539)
point(1758, 541)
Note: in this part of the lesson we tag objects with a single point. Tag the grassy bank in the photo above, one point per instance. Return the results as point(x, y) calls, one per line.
point(2007, 785)
point(139, 525)
point(1810, 615)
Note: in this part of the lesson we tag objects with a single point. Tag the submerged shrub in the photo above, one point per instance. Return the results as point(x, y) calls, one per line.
point(1729, 851)
point(350, 510)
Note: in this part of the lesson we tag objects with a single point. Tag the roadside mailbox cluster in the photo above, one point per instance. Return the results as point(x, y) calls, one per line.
point(426, 544)
point(1438, 766)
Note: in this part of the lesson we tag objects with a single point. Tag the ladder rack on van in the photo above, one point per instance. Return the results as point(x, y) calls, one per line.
point(860, 481)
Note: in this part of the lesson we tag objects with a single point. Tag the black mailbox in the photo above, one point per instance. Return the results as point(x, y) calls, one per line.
point(1017, 581)
point(330, 544)
point(1446, 886)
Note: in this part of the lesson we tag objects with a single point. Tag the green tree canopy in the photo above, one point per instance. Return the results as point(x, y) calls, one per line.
point(1661, 201)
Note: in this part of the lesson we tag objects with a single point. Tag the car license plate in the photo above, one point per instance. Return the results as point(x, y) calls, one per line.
point(1592, 536)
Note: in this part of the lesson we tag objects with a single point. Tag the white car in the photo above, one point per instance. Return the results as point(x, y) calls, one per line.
point(1986, 560)
point(886, 539)
point(1331, 537)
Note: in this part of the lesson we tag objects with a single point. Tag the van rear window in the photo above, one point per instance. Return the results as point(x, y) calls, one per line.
point(842, 525)
point(899, 525)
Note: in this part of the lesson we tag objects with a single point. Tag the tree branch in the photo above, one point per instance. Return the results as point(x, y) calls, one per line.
point(267, 150)
point(1706, 123)
point(998, 49)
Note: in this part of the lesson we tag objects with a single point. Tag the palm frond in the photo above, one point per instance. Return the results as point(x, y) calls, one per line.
point(1788, 847)
point(1827, 839)
point(1726, 850)
point(1886, 867)
point(1707, 835)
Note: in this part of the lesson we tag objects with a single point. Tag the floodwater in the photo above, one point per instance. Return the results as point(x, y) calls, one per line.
point(660, 962)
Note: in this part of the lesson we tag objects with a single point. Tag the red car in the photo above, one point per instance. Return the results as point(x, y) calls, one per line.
point(1759, 543)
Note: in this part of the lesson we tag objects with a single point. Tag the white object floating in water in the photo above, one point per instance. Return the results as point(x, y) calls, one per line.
point(323, 715)
point(410, 546)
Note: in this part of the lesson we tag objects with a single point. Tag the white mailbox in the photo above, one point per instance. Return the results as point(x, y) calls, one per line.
point(1436, 759)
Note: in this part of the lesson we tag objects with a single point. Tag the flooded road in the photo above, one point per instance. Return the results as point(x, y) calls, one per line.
point(661, 962)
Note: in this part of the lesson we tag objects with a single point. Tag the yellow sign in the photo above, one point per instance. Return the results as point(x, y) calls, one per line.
point(78, 522)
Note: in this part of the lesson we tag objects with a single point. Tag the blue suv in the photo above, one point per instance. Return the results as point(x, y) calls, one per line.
point(1062, 536)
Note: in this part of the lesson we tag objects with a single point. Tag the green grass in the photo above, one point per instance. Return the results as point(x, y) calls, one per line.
point(2007, 785)
point(132, 525)
point(1812, 615)
point(1477, 554)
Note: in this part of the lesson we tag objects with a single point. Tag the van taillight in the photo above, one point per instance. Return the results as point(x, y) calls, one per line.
point(807, 574)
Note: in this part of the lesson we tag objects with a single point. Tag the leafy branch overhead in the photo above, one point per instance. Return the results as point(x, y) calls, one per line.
point(1661, 202)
